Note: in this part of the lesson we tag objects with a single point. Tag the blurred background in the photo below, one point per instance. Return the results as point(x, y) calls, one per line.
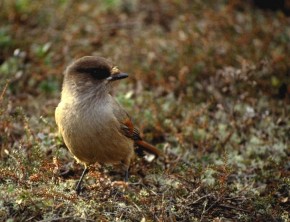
point(209, 84)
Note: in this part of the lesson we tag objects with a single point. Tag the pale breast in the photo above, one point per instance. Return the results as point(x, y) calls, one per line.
point(92, 133)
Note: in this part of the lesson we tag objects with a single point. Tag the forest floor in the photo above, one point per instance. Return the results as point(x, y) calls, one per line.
point(209, 84)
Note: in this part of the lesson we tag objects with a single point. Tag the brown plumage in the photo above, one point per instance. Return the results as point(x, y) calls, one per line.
point(94, 126)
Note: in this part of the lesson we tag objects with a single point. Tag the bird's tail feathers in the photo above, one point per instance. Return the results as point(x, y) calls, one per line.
point(149, 148)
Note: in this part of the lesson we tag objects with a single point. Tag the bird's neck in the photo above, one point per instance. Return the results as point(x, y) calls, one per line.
point(86, 93)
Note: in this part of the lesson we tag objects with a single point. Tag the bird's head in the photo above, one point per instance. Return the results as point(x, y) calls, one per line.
point(93, 71)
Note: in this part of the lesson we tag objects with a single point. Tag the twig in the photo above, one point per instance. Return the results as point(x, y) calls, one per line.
point(4, 90)
point(227, 138)
point(232, 207)
point(63, 218)
point(196, 201)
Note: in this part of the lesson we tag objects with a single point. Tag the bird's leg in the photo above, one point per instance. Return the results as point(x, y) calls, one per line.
point(126, 174)
point(125, 167)
point(78, 187)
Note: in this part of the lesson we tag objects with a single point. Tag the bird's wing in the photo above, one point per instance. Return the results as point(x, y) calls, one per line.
point(126, 124)
point(127, 128)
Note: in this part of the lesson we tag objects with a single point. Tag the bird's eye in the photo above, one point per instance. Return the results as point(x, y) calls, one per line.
point(99, 73)
point(96, 73)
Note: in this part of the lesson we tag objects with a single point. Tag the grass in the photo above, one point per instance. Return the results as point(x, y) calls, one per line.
point(209, 85)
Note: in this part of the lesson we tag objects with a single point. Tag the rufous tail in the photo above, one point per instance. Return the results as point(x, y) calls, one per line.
point(149, 148)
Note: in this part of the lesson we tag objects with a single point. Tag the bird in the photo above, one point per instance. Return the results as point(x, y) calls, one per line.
point(93, 125)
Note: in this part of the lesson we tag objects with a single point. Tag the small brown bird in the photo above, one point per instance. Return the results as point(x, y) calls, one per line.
point(94, 126)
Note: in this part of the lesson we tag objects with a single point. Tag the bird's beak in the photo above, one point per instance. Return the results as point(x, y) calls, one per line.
point(117, 76)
